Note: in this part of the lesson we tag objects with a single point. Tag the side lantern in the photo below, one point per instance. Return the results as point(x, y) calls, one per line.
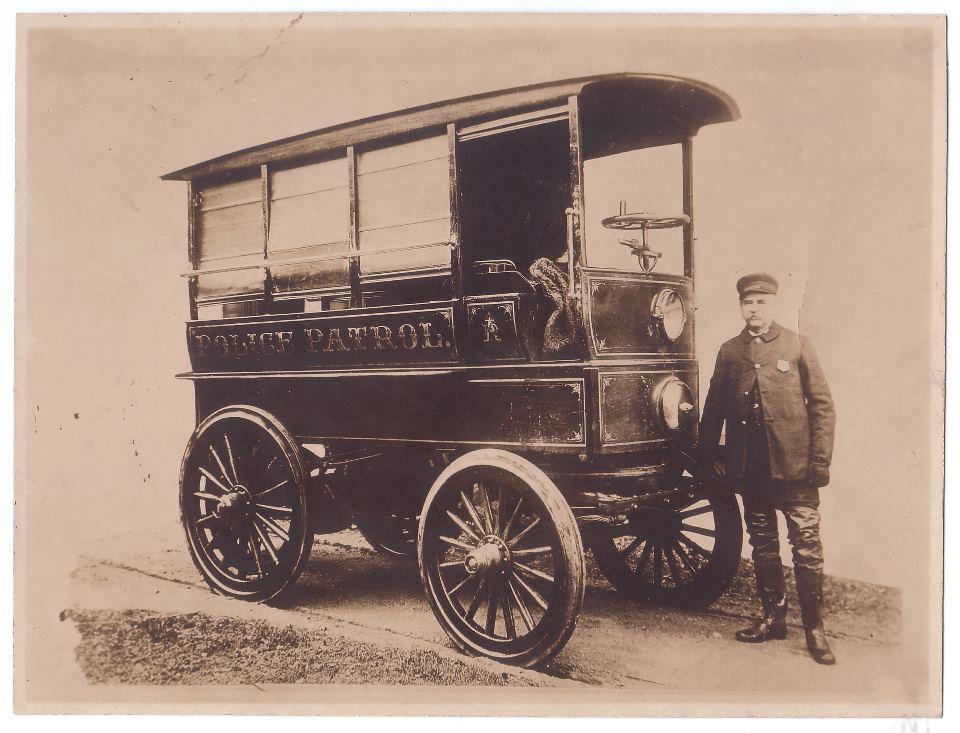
point(669, 314)
point(674, 402)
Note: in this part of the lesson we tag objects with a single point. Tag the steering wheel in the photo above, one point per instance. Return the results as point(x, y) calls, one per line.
point(645, 220)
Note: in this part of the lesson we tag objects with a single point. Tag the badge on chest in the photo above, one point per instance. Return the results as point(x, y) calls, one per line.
point(783, 365)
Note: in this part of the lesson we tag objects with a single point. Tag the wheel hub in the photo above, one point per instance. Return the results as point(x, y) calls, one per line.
point(661, 526)
point(233, 502)
point(490, 555)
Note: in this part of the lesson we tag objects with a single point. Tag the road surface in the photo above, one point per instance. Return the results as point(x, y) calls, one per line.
point(350, 591)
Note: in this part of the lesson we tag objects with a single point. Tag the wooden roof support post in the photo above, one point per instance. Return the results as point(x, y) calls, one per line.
point(265, 207)
point(576, 185)
point(688, 240)
point(353, 233)
point(456, 252)
point(192, 249)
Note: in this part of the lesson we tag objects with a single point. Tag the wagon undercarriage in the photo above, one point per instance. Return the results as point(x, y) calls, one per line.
point(500, 546)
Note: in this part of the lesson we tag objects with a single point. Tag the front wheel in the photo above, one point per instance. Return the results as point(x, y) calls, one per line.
point(682, 552)
point(243, 504)
point(501, 558)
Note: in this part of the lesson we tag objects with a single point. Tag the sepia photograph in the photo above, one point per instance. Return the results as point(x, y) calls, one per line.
point(460, 364)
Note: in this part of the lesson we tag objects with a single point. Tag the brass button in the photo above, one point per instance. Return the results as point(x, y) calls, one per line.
point(756, 366)
point(758, 339)
point(743, 422)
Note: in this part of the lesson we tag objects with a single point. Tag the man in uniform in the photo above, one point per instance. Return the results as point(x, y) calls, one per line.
point(770, 391)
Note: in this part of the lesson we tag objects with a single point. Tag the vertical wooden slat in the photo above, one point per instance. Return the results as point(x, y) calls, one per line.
point(456, 253)
point(688, 238)
point(353, 234)
point(265, 207)
point(688, 253)
point(591, 406)
point(193, 250)
point(576, 184)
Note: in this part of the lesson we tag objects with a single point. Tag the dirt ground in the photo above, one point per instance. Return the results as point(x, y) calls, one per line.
point(144, 616)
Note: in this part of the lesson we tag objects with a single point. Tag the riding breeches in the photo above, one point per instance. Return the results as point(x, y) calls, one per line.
point(801, 511)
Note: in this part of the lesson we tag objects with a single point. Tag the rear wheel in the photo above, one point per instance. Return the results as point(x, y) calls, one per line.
point(389, 536)
point(682, 552)
point(501, 558)
point(385, 495)
point(243, 504)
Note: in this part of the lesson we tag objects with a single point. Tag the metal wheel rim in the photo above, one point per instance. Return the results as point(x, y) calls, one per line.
point(252, 547)
point(524, 591)
point(673, 556)
point(670, 557)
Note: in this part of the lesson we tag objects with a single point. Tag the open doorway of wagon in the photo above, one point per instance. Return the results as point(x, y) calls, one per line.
point(514, 185)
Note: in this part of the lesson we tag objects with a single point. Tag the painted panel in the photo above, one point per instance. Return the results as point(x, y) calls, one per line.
point(539, 411)
point(629, 413)
point(417, 407)
point(621, 319)
point(493, 329)
point(406, 337)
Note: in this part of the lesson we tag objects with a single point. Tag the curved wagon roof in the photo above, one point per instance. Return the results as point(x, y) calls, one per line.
point(686, 103)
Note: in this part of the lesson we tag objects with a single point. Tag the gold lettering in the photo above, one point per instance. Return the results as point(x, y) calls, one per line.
point(408, 336)
point(284, 342)
point(235, 345)
point(314, 338)
point(203, 343)
point(334, 342)
point(427, 343)
point(491, 331)
point(222, 345)
point(359, 336)
point(381, 338)
point(266, 343)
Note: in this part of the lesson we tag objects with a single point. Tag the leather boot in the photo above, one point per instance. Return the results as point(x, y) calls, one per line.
point(773, 597)
point(810, 593)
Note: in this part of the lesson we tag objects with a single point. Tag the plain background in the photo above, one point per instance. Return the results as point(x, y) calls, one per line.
point(827, 181)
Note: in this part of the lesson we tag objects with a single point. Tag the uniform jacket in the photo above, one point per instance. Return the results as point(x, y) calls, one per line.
point(798, 412)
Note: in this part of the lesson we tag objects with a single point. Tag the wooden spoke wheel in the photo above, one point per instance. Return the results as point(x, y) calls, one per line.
point(682, 552)
point(501, 558)
point(243, 504)
point(386, 535)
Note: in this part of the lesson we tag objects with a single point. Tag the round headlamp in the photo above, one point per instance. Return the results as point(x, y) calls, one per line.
point(675, 403)
point(669, 314)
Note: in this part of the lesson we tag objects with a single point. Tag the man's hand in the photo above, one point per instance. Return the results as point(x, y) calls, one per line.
point(818, 475)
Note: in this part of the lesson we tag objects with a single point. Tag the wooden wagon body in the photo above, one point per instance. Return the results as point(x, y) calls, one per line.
point(416, 296)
